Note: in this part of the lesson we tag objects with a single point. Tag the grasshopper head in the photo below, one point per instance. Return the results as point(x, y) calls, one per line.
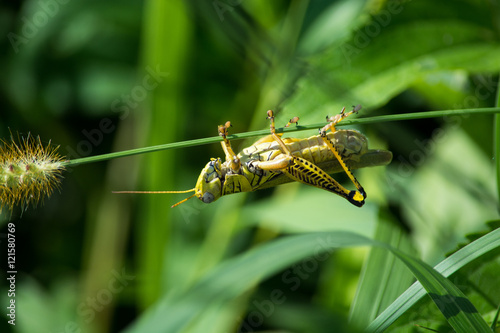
point(209, 185)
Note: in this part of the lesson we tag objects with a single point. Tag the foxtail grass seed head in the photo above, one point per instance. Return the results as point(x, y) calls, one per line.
point(29, 171)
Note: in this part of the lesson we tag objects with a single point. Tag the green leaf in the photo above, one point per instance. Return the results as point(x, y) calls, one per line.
point(447, 267)
point(238, 275)
point(453, 304)
point(381, 60)
point(495, 320)
point(292, 220)
point(383, 277)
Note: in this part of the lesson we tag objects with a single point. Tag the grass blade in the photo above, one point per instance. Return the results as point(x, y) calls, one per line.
point(453, 304)
point(447, 267)
point(238, 275)
point(497, 139)
point(495, 320)
point(378, 287)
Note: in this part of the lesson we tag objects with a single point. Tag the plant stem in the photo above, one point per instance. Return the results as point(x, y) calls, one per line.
point(497, 140)
point(368, 120)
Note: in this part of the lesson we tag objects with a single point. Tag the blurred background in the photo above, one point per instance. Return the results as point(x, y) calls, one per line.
point(96, 77)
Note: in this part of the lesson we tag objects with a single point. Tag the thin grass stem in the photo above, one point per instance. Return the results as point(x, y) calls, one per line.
point(245, 135)
point(497, 140)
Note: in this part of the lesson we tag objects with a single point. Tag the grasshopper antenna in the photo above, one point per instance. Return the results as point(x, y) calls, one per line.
point(162, 192)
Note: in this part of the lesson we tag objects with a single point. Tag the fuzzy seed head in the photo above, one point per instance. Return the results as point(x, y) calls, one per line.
point(29, 171)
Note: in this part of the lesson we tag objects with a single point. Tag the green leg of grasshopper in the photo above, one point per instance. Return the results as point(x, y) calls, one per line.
point(228, 151)
point(233, 182)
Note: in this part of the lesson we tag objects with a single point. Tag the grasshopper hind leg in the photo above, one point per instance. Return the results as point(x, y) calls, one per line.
point(360, 194)
point(307, 172)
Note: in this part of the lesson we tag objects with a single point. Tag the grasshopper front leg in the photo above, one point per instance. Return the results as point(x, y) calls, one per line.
point(306, 172)
point(231, 157)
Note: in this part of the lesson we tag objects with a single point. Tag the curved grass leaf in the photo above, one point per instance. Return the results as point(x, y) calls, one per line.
point(447, 267)
point(377, 288)
point(381, 60)
point(238, 275)
point(495, 319)
point(453, 304)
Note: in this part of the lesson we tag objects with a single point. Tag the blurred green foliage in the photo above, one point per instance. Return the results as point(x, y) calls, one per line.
point(96, 77)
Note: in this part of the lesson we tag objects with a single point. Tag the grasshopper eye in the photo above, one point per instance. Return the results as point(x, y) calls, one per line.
point(207, 197)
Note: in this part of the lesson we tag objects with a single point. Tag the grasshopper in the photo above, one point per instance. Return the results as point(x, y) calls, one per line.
point(273, 160)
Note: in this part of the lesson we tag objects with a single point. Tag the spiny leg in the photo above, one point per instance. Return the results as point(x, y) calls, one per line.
point(270, 138)
point(361, 194)
point(277, 136)
point(226, 146)
point(305, 172)
point(310, 174)
point(294, 120)
point(282, 162)
point(334, 120)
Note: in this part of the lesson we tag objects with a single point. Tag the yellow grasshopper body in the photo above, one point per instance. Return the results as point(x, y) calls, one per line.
point(273, 160)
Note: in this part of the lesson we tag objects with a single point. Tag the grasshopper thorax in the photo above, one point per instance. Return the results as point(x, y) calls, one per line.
point(209, 185)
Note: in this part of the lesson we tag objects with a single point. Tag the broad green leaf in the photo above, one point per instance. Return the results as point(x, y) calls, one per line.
point(447, 267)
point(155, 237)
point(47, 309)
point(453, 304)
point(381, 60)
point(383, 278)
point(237, 275)
point(428, 198)
point(340, 17)
point(291, 219)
